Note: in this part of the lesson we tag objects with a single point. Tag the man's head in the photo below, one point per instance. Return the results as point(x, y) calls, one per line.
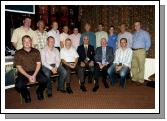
point(27, 42)
point(41, 25)
point(111, 30)
point(54, 25)
point(27, 22)
point(123, 28)
point(65, 29)
point(75, 30)
point(100, 27)
point(137, 25)
point(123, 42)
point(87, 27)
point(68, 43)
point(85, 40)
point(103, 42)
point(50, 41)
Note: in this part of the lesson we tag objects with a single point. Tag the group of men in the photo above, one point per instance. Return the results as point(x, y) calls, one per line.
point(40, 54)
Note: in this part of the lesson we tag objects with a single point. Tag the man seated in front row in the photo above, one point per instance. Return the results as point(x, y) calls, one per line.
point(69, 57)
point(122, 62)
point(85, 61)
point(103, 57)
point(51, 65)
point(28, 63)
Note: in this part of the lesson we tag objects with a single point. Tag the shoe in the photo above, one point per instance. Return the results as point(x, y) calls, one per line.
point(27, 100)
point(39, 95)
point(82, 87)
point(49, 94)
point(95, 88)
point(69, 90)
point(139, 84)
point(61, 90)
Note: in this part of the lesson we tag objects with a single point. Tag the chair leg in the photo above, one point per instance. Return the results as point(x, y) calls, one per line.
point(21, 98)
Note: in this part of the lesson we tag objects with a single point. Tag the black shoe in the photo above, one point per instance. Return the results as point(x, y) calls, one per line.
point(95, 88)
point(69, 90)
point(61, 90)
point(40, 95)
point(49, 94)
point(83, 88)
point(27, 100)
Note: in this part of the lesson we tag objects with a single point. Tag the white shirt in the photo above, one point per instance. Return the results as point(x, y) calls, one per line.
point(99, 36)
point(69, 55)
point(123, 56)
point(75, 40)
point(126, 35)
point(50, 57)
point(56, 35)
point(63, 37)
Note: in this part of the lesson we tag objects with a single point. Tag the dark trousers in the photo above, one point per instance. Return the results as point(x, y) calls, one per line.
point(21, 82)
point(82, 75)
point(100, 72)
point(61, 71)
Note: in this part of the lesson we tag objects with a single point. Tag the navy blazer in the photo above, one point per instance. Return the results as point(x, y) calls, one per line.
point(109, 54)
point(82, 54)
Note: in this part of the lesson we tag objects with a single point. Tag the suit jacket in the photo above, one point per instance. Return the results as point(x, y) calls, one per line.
point(82, 54)
point(109, 54)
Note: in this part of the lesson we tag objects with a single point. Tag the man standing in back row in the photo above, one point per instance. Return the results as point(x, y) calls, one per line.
point(140, 44)
point(21, 31)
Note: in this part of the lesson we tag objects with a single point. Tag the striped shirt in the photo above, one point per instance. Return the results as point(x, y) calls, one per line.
point(41, 39)
point(123, 56)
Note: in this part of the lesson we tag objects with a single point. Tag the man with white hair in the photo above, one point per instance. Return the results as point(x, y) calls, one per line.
point(103, 57)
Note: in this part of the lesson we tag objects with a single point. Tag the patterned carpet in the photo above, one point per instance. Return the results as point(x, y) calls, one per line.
point(131, 97)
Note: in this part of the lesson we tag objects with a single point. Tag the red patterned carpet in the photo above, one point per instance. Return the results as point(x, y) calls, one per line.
point(131, 97)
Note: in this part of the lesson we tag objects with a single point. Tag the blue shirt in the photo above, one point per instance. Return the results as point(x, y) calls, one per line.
point(112, 41)
point(92, 38)
point(141, 39)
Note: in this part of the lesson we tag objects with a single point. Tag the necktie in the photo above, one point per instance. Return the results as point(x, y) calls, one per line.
point(86, 50)
point(103, 55)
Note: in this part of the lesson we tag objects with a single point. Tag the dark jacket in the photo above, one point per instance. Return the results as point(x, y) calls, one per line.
point(109, 55)
point(82, 54)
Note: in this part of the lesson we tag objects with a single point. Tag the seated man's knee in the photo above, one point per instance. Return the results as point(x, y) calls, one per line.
point(122, 74)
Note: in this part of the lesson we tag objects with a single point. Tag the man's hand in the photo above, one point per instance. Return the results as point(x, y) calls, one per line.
point(72, 65)
point(101, 66)
point(82, 64)
point(31, 79)
point(54, 70)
